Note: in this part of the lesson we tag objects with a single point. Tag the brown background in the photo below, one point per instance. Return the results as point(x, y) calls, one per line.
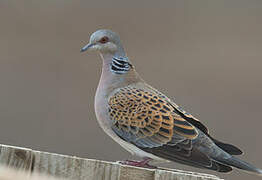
point(206, 54)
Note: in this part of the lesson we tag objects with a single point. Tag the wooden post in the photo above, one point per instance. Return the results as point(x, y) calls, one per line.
point(76, 168)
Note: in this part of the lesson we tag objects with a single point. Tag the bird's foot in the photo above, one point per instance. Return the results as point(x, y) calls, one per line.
point(143, 163)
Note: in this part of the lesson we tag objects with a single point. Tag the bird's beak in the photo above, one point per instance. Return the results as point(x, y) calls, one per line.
point(86, 47)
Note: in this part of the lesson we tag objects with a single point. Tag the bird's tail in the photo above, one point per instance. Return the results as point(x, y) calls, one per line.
point(235, 162)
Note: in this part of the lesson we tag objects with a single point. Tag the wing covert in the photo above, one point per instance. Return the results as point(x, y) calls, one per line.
point(146, 119)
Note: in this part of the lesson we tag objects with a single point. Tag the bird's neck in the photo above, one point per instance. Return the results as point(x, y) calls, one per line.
point(117, 71)
point(116, 63)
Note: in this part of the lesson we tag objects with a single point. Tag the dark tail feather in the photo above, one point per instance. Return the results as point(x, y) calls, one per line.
point(229, 148)
point(235, 162)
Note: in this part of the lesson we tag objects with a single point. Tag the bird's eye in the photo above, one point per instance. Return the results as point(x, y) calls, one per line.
point(104, 40)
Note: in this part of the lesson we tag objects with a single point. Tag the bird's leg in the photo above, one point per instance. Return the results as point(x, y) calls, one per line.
point(142, 163)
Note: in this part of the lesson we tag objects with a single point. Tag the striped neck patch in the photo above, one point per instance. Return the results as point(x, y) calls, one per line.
point(120, 65)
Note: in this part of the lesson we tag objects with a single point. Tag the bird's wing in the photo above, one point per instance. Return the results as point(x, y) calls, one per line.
point(147, 120)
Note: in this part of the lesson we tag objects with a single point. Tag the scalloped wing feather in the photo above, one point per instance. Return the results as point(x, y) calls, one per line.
point(146, 119)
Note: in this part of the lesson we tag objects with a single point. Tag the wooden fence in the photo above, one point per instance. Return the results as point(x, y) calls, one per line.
point(75, 168)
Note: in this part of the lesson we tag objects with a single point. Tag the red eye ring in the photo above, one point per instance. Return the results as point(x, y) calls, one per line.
point(104, 40)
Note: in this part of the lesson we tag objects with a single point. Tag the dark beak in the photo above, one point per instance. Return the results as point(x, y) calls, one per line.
point(86, 47)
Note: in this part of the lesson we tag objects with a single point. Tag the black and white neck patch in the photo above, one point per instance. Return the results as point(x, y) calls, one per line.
point(120, 65)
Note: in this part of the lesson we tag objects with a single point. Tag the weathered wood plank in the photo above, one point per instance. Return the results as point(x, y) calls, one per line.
point(164, 172)
point(15, 174)
point(20, 158)
point(76, 168)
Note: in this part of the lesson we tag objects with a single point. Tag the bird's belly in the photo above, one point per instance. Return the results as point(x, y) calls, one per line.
point(134, 150)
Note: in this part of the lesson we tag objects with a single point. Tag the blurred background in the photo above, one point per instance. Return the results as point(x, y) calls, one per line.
point(205, 54)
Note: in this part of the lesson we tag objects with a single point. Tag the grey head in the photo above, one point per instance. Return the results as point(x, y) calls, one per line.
point(105, 41)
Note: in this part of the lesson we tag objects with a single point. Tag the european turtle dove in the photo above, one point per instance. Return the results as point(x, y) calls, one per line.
point(146, 122)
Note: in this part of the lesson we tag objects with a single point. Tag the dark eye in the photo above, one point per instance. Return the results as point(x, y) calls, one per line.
point(104, 40)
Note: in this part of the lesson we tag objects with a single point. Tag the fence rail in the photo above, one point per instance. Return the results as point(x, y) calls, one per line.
point(75, 168)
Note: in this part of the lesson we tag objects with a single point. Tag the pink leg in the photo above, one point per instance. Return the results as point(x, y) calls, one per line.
point(143, 163)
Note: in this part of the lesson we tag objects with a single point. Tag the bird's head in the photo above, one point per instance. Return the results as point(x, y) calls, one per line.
point(104, 41)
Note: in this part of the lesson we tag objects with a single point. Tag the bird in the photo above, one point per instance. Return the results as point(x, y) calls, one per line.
point(146, 122)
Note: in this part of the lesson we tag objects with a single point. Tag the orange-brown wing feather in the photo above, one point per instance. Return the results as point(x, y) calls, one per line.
point(179, 110)
point(143, 117)
point(190, 118)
